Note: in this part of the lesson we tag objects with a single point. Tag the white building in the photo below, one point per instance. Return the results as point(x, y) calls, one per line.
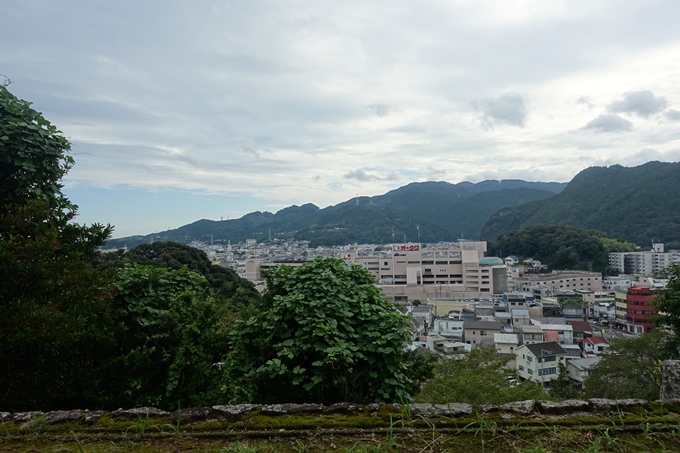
point(644, 263)
point(540, 361)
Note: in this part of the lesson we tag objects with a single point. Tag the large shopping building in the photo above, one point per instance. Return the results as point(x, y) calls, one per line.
point(410, 272)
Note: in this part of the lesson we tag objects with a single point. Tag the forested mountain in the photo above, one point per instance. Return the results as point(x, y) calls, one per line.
point(440, 211)
point(638, 204)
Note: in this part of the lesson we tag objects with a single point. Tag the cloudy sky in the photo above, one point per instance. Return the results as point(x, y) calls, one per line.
point(181, 110)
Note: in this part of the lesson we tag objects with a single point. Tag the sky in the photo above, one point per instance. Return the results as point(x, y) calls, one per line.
point(183, 110)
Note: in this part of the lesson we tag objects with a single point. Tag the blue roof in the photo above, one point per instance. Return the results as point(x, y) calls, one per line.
point(490, 261)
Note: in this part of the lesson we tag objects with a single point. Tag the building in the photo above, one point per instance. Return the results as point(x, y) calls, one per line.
point(531, 334)
point(580, 369)
point(643, 263)
point(595, 345)
point(639, 309)
point(456, 271)
point(480, 333)
point(540, 361)
point(408, 272)
point(563, 280)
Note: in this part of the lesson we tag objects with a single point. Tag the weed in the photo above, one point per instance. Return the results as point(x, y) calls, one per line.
point(300, 447)
point(241, 447)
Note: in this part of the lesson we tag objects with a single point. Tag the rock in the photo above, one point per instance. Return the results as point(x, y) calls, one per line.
point(670, 379)
point(138, 412)
point(236, 411)
point(520, 407)
point(396, 407)
point(609, 405)
point(5, 417)
point(55, 417)
point(374, 407)
point(565, 407)
point(25, 416)
point(489, 407)
point(344, 407)
point(288, 408)
point(454, 409)
point(191, 415)
point(420, 408)
point(92, 416)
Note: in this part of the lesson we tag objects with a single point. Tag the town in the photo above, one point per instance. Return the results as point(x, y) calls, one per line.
point(459, 299)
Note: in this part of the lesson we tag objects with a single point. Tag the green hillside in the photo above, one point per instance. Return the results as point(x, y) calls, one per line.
point(440, 210)
point(638, 204)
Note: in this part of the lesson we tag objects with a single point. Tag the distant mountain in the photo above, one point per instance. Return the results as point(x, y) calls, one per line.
point(439, 211)
point(638, 204)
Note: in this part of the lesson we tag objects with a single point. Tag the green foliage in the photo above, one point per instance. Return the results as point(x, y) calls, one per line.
point(630, 366)
point(325, 334)
point(638, 204)
point(33, 155)
point(52, 303)
point(667, 302)
point(167, 339)
point(224, 283)
point(561, 247)
point(479, 377)
point(562, 386)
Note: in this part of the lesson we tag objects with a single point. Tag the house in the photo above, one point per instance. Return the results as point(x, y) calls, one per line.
point(580, 369)
point(480, 333)
point(595, 345)
point(520, 317)
point(424, 312)
point(581, 330)
point(531, 334)
point(448, 328)
point(539, 361)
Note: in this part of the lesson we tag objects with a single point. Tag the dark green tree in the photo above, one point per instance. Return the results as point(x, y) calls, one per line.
point(667, 302)
point(52, 303)
point(325, 333)
point(168, 338)
point(480, 377)
point(563, 387)
point(630, 367)
point(224, 283)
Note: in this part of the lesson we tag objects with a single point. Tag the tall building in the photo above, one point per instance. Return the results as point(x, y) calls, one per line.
point(454, 271)
point(408, 272)
point(639, 309)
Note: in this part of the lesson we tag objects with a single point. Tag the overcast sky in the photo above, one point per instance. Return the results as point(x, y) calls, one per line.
point(181, 110)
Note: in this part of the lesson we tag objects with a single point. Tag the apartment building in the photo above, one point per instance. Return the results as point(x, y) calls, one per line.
point(644, 263)
point(562, 281)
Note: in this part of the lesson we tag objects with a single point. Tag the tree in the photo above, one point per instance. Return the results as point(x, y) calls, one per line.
point(562, 386)
point(629, 367)
point(667, 302)
point(480, 377)
point(324, 333)
point(167, 340)
point(224, 283)
point(52, 303)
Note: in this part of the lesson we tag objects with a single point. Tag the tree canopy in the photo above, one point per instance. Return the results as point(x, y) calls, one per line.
point(630, 366)
point(52, 303)
point(480, 377)
point(667, 302)
point(561, 247)
point(324, 333)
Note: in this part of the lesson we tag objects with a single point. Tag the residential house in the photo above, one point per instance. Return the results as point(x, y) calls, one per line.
point(540, 361)
point(580, 369)
point(481, 333)
point(531, 334)
point(595, 345)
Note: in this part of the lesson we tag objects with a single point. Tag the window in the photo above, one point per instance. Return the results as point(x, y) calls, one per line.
point(530, 371)
point(521, 367)
point(547, 371)
point(530, 359)
point(483, 333)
